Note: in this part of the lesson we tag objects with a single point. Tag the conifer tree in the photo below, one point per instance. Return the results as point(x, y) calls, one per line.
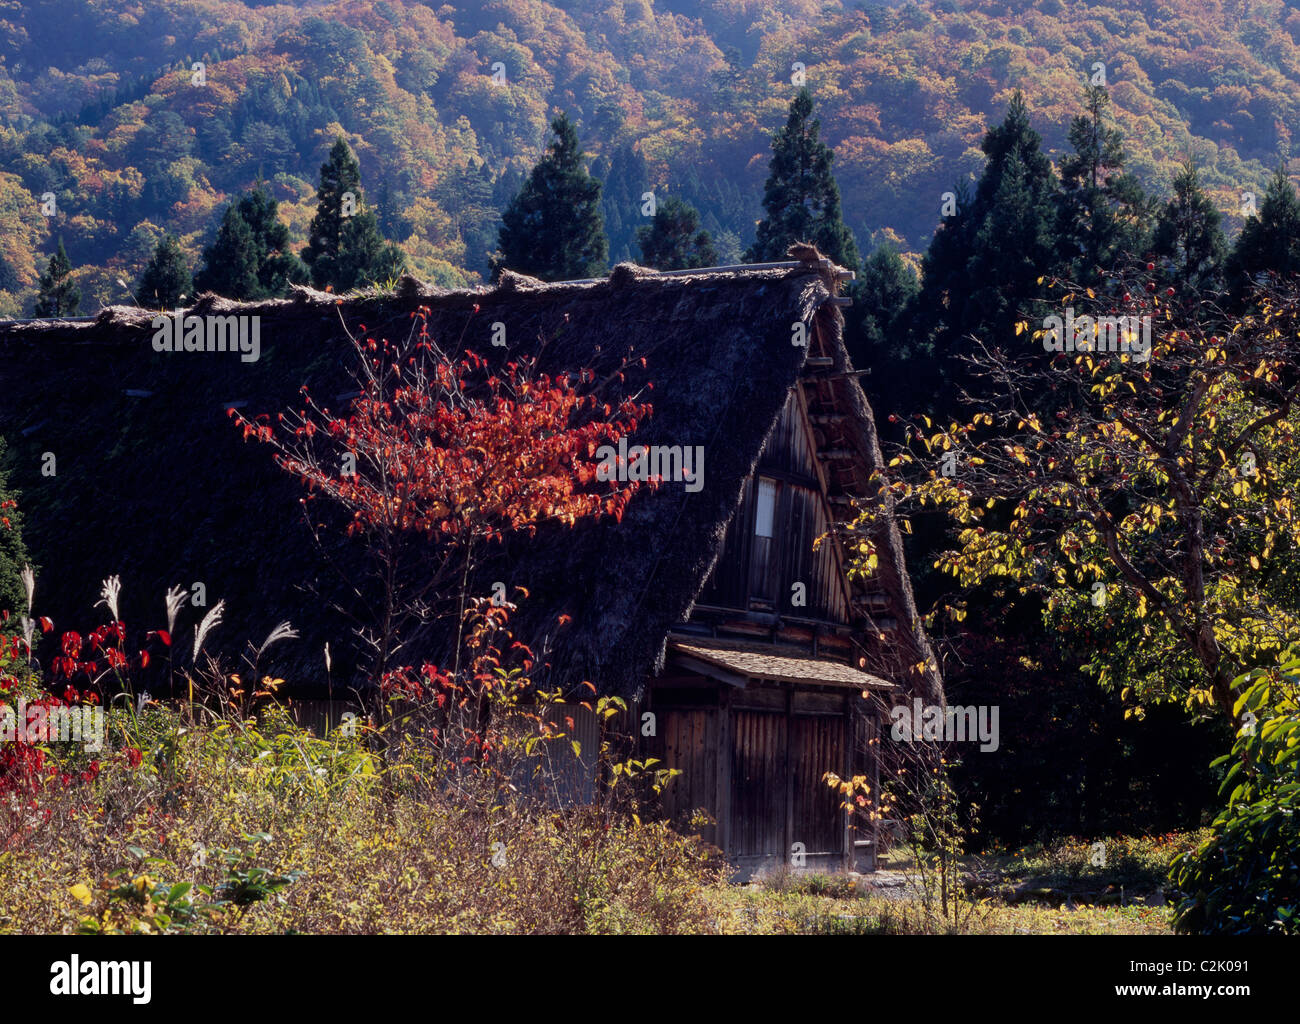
point(675, 240)
point(166, 277)
point(984, 263)
point(1102, 210)
point(365, 257)
point(981, 272)
point(1269, 240)
point(1013, 247)
point(57, 294)
point(345, 249)
point(553, 228)
point(230, 262)
point(801, 199)
point(277, 265)
point(944, 267)
point(1189, 239)
point(884, 289)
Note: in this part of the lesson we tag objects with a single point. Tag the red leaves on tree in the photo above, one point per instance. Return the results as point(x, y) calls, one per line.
point(451, 449)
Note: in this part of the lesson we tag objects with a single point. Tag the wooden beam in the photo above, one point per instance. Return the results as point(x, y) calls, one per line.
point(828, 377)
point(789, 775)
point(726, 742)
point(837, 550)
point(706, 668)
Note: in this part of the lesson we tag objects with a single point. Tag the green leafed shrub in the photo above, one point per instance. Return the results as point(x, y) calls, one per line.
point(13, 556)
point(1245, 878)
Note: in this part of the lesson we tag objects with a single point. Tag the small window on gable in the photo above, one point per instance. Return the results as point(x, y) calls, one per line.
point(762, 587)
point(765, 512)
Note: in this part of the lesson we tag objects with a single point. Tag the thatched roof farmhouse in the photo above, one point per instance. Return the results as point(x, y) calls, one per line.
point(686, 607)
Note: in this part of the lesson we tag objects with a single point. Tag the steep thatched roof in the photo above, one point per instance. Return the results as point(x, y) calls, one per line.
point(153, 482)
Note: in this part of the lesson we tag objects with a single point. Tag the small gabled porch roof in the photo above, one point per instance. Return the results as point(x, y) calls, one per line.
point(736, 662)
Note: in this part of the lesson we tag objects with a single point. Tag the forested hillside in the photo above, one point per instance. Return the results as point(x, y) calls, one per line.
point(114, 135)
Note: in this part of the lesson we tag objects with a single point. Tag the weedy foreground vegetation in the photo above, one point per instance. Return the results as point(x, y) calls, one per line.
point(222, 825)
point(206, 824)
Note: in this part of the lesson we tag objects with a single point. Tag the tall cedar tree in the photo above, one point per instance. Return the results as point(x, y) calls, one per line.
point(1188, 238)
point(980, 274)
point(250, 257)
point(1269, 240)
point(57, 294)
point(801, 198)
point(981, 271)
point(166, 277)
point(884, 289)
point(553, 228)
point(13, 555)
point(1014, 240)
point(230, 262)
point(345, 249)
point(674, 240)
point(1102, 211)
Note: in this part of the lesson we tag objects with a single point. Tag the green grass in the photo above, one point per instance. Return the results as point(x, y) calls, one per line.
point(756, 910)
point(1054, 889)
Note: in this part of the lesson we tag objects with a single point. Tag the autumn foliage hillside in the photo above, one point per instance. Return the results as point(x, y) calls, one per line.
point(98, 107)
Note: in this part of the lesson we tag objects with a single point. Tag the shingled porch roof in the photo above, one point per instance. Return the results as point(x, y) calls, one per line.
point(736, 662)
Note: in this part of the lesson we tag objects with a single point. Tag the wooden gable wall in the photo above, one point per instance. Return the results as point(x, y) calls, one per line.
point(755, 574)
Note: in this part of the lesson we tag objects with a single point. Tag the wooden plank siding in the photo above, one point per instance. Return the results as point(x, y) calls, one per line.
point(571, 777)
point(754, 759)
point(801, 517)
point(817, 746)
point(689, 742)
point(789, 450)
point(758, 751)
